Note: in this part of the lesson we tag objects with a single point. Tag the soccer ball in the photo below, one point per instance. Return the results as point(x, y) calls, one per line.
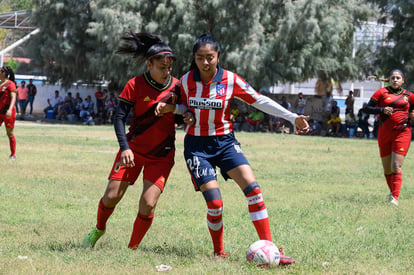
point(263, 253)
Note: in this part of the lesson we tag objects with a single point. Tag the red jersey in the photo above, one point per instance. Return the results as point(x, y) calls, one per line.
point(210, 102)
point(401, 102)
point(6, 89)
point(149, 135)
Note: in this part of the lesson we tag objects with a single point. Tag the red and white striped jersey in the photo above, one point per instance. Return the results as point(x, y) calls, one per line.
point(210, 102)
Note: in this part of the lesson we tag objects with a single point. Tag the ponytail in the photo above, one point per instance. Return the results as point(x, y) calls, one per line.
point(144, 46)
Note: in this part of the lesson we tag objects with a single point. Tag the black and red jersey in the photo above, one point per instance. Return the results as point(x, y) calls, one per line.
point(148, 134)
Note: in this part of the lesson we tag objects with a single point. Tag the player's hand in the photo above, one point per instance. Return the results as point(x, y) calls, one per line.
point(388, 110)
point(301, 123)
point(412, 115)
point(163, 108)
point(188, 118)
point(8, 113)
point(127, 158)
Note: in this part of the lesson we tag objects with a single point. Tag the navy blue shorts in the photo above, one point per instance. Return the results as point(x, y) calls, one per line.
point(204, 153)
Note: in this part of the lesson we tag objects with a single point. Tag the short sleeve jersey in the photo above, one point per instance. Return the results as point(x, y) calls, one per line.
point(210, 102)
point(148, 134)
point(5, 95)
point(400, 102)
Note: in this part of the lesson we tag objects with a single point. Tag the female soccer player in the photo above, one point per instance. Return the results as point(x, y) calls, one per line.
point(149, 144)
point(394, 105)
point(206, 90)
point(8, 95)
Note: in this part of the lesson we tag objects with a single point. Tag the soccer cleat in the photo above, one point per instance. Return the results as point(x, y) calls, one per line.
point(390, 197)
point(220, 255)
point(285, 260)
point(90, 240)
point(394, 201)
point(12, 158)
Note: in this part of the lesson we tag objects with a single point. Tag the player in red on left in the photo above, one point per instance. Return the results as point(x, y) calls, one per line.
point(8, 95)
point(149, 143)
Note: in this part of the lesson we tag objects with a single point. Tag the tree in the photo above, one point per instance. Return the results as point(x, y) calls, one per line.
point(62, 45)
point(265, 41)
point(397, 53)
point(313, 38)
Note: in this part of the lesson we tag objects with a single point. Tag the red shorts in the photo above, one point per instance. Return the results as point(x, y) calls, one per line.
point(8, 121)
point(155, 171)
point(397, 141)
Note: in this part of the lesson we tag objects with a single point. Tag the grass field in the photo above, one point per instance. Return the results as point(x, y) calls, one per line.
point(326, 199)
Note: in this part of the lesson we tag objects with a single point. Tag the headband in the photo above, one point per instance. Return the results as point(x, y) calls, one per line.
point(160, 53)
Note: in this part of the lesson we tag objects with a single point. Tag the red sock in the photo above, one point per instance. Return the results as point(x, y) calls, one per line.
point(215, 224)
point(258, 214)
point(388, 179)
point(103, 215)
point(12, 142)
point(396, 181)
point(141, 225)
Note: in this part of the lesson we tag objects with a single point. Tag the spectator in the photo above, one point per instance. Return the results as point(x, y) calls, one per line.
point(334, 122)
point(22, 96)
point(54, 104)
point(67, 109)
point(100, 97)
point(286, 104)
point(274, 124)
point(78, 106)
point(86, 108)
point(235, 116)
point(284, 123)
point(349, 102)
point(363, 118)
point(300, 104)
point(32, 93)
point(351, 124)
point(111, 105)
point(255, 119)
point(327, 101)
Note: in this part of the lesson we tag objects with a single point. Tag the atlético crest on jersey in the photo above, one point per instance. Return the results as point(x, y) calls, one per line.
point(221, 89)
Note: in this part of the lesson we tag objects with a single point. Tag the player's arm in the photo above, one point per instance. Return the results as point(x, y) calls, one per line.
point(267, 105)
point(121, 114)
point(13, 96)
point(373, 108)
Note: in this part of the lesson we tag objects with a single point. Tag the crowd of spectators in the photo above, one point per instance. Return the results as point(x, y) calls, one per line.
point(356, 124)
point(87, 110)
point(100, 110)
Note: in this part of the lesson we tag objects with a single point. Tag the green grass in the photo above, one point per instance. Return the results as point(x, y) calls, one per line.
point(326, 199)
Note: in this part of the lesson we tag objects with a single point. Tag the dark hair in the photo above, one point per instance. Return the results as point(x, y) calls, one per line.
point(203, 40)
point(144, 46)
point(9, 73)
point(397, 71)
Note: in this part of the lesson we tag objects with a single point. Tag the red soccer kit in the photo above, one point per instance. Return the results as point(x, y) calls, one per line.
point(5, 97)
point(394, 133)
point(151, 138)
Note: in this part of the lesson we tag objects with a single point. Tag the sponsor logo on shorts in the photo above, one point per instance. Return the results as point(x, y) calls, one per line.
point(238, 149)
point(147, 98)
point(402, 149)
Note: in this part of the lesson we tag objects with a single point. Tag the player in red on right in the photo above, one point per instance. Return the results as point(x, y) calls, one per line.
point(395, 107)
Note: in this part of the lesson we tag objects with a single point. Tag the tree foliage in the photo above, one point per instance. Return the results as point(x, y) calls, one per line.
point(265, 41)
point(398, 52)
